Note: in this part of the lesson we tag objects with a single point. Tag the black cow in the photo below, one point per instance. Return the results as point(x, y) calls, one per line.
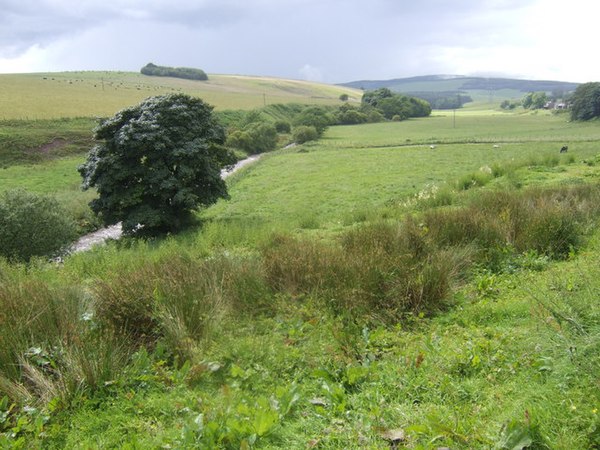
point(564, 149)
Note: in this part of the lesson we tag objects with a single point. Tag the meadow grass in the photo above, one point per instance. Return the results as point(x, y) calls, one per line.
point(33, 141)
point(328, 184)
point(329, 304)
point(102, 94)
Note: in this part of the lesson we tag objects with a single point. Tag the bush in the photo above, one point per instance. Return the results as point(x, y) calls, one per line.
point(283, 127)
point(317, 117)
point(375, 116)
point(33, 225)
point(254, 138)
point(351, 117)
point(304, 134)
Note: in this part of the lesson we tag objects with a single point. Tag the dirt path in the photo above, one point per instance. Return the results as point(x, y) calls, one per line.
point(100, 236)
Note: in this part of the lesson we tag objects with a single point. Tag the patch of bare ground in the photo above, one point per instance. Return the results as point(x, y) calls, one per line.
point(52, 145)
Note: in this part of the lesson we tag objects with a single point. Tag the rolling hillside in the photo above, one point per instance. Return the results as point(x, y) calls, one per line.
point(90, 94)
point(479, 88)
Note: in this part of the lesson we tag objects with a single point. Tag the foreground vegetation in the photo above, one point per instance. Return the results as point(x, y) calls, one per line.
point(416, 331)
point(362, 291)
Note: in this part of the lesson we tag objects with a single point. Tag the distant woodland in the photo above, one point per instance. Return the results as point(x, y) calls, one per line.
point(187, 73)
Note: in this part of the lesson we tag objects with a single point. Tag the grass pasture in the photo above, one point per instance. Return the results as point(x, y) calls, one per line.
point(101, 94)
point(356, 170)
point(362, 291)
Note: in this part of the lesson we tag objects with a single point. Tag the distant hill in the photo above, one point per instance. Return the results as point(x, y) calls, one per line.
point(476, 87)
point(437, 83)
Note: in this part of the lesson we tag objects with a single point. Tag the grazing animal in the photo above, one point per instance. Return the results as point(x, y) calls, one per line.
point(432, 146)
point(564, 149)
point(496, 146)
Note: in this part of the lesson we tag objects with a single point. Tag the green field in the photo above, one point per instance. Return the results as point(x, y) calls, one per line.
point(361, 291)
point(101, 94)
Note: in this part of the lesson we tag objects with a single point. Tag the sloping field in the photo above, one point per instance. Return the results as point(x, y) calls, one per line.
point(90, 94)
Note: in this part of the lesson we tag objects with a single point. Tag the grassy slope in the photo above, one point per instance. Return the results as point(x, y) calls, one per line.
point(355, 169)
point(93, 94)
point(500, 355)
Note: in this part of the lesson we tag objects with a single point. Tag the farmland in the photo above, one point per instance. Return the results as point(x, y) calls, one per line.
point(101, 94)
point(362, 291)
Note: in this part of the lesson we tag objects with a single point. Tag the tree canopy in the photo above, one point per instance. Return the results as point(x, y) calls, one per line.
point(534, 100)
point(586, 101)
point(156, 163)
point(396, 105)
point(187, 73)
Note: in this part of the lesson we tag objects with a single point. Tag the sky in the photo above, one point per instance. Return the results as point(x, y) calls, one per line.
point(331, 41)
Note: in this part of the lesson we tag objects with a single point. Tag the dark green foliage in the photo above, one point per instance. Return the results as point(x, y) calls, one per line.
point(304, 134)
point(283, 127)
point(507, 104)
point(156, 163)
point(390, 104)
point(254, 138)
point(349, 115)
point(316, 117)
point(373, 98)
point(444, 99)
point(33, 225)
point(534, 100)
point(344, 97)
point(187, 73)
point(586, 102)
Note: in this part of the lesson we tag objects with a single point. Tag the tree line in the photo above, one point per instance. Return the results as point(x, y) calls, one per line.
point(584, 102)
point(187, 73)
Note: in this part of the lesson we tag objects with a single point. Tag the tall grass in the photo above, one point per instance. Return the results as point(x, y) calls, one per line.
point(179, 299)
point(551, 221)
point(50, 346)
point(380, 271)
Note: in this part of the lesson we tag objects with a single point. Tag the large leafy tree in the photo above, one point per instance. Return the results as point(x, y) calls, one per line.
point(586, 101)
point(156, 163)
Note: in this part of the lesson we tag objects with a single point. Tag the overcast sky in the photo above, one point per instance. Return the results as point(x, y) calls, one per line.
point(322, 40)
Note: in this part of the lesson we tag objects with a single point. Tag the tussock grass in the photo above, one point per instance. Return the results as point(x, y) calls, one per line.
point(179, 299)
point(380, 271)
point(550, 221)
point(50, 346)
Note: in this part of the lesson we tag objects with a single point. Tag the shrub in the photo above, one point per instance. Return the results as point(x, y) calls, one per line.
point(33, 225)
point(375, 116)
point(283, 127)
point(254, 138)
point(351, 117)
point(304, 134)
point(317, 117)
